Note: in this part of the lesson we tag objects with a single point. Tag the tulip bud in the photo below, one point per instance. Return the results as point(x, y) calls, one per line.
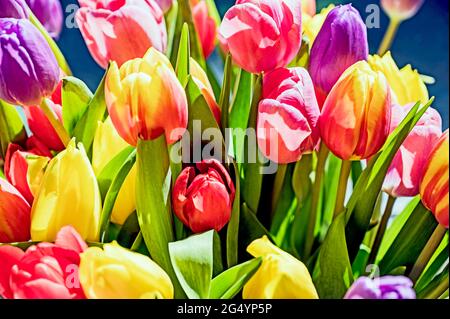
point(145, 99)
point(401, 10)
point(387, 287)
point(309, 7)
point(205, 26)
point(408, 165)
point(203, 196)
point(50, 14)
point(341, 42)
point(287, 116)
point(13, 9)
point(434, 184)
point(312, 24)
point(14, 214)
point(262, 35)
point(201, 79)
point(44, 271)
point(28, 68)
point(60, 202)
point(16, 168)
point(117, 273)
point(406, 84)
point(280, 276)
point(356, 116)
point(108, 144)
point(165, 5)
point(121, 30)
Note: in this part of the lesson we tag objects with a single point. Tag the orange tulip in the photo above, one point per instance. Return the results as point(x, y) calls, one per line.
point(356, 116)
point(434, 185)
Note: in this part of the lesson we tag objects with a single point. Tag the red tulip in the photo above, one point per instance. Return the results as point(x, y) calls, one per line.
point(205, 26)
point(203, 196)
point(408, 166)
point(14, 214)
point(121, 30)
point(35, 146)
point(262, 35)
point(434, 184)
point(44, 271)
point(288, 115)
point(16, 168)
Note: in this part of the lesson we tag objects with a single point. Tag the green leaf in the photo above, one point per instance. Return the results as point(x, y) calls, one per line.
point(86, 128)
point(410, 241)
point(250, 228)
point(362, 202)
point(229, 283)
point(224, 100)
point(153, 203)
point(329, 191)
point(11, 127)
point(436, 287)
point(75, 101)
point(192, 260)
point(129, 231)
point(333, 271)
point(183, 60)
point(171, 22)
point(113, 192)
point(233, 224)
point(109, 172)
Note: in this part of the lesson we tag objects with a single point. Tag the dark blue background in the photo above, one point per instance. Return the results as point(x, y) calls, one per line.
point(421, 41)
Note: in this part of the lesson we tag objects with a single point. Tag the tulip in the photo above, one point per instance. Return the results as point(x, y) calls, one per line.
point(280, 276)
point(13, 9)
point(312, 24)
point(14, 214)
point(117, 273)
point(201, 79)
point(262, 35)
point(287, 116)
point(28, 68)
point(309, 7)
point(16, 168)
point(165, 5)
point(145, 99)
point(341, 42)
point(356, 116)
point(108, 144)
point(401, 10)
point(44, 271)
point(203, 196)
point(50, 14)
point(434, 184)
point(68, 195)
point(387, 287)
point(35, 146)
point(408, 165)
point(205, 26)
point(406, 84)
point(35, 173)
point(121, 30)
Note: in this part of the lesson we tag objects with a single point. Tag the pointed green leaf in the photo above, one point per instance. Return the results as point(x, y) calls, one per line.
point(75, 100)
point(11, 127)
point(184, 55)
point(224, 100)
point(233, 224)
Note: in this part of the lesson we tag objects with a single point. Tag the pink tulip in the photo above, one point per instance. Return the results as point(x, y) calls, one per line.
point(121, 30)
point(165, 5)
point(14, 214)
point(16, 168)
point(407, 168)
point(288, 115)
point(44, 271)
point(262, 35)
point(205, 26)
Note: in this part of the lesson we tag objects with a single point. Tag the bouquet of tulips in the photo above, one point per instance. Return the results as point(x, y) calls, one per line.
point(275, 174)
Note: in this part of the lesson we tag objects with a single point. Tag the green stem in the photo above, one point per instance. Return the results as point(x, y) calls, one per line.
point(381, 229)
point(389, 36)
point(52, 44)
point(278, 185)
point(439, 290)
point(54, 121)
point(342, 187)
point(320, 169)
point(427, 252)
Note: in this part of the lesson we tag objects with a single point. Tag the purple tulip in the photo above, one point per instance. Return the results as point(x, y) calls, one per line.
point(28, 68)
point(50, 14)
point(341, 42)
point(13, 9)
point(387, 287)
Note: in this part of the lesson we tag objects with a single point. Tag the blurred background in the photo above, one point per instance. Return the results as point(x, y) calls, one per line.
point(421, 41)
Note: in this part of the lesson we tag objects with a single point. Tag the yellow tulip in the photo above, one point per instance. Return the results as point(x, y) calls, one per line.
point(406, 84)
point(108, 144)
point(280, 276)
point(118, 273)
point(35, 172)
point(312, 25)
point(68, 195)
